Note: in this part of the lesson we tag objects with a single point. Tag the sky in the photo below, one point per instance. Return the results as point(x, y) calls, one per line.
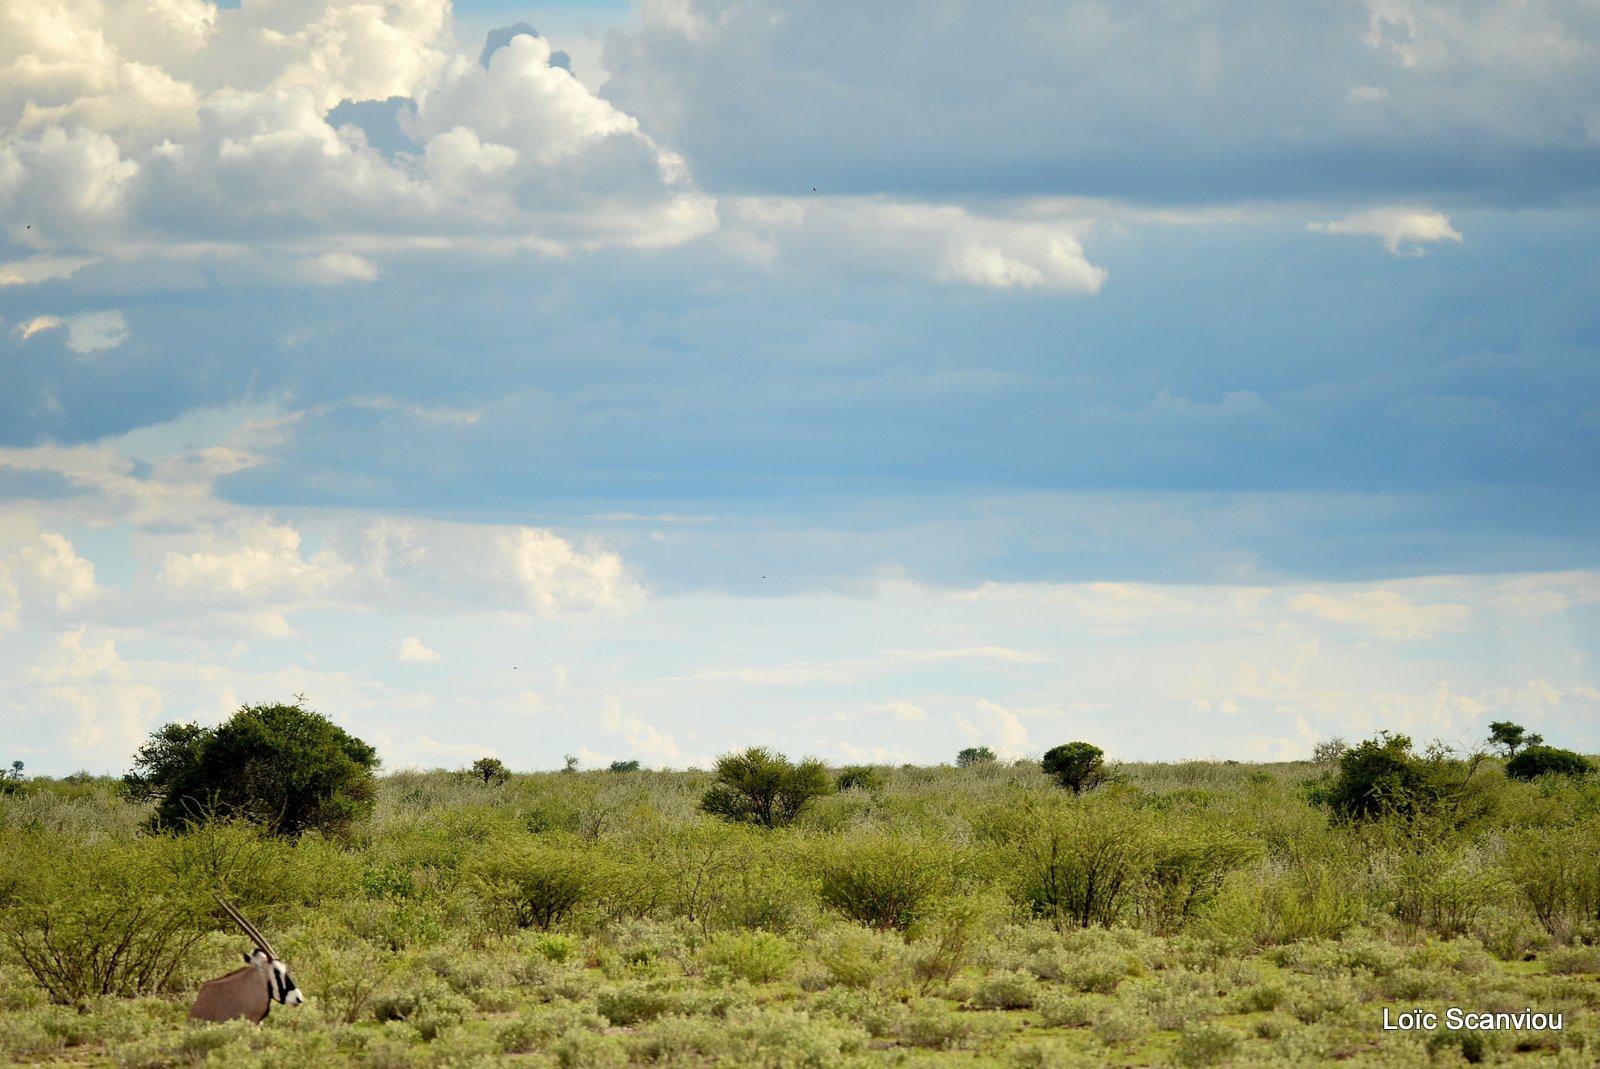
point(639, 381)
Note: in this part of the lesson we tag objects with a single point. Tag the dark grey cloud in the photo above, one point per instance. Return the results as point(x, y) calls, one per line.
point(1243, 368)
point(1225, 100)
point(34, 484)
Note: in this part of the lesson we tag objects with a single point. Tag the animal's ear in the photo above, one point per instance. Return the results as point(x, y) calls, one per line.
point(247, 959)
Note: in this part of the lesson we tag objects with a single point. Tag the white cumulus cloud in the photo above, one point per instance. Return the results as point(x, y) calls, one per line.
point(1403, 231)
point(412, 651)
point(171, 124)
point(1021, 250)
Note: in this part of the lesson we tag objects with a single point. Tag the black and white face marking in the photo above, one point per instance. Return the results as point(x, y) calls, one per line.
point(283, 989)
point(280, 987)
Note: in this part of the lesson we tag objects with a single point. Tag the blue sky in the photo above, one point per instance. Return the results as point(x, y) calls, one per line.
point(868, 381)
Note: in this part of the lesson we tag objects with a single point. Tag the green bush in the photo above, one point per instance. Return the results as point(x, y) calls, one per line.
point(1188, 863)
point(632, 1003)
point(424, 1002)
point(1382, 778)
point(882, 880)
point(1015, 990)
point(533, 884)
point(757, 957)
point(282, 766)
point(100, 918)
point(1206, 1044)
point(855, 957)
point(1557, 872)
point(762, 787)
point(1547, 761)
point(858, 778)
point(1061, 1009)
point(1073, 863)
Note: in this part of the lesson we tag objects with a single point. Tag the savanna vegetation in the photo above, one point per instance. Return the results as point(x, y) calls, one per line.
point(782, 914)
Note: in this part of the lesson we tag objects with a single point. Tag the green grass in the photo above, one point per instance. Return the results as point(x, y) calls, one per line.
point(598, 919)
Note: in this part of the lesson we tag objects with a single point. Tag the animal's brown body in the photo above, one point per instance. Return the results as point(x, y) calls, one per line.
point(243, 993)
point(248, 993)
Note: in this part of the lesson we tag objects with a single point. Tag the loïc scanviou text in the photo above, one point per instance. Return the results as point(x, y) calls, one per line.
point(1459, 1020)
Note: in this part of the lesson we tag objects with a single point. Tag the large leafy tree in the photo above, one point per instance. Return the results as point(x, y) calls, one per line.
point(764, 788)
point(284, 767)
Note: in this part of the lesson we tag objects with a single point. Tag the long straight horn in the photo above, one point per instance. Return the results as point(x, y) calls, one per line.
point(249, 929)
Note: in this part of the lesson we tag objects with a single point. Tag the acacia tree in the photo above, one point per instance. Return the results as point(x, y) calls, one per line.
point(975, 755)
point(282, 766)
point(1511, 737)
point(491, 770)
point(764, 788)
point(1077, 766)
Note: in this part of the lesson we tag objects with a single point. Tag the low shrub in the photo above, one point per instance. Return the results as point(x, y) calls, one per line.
point(883, 881)
point(1008, 991)
point(534, 884)
point(860, 957)
point(1206, 1044)
point(1120, 1027)
point(632, 1003)
point(1062, 1010)
point(758, 957)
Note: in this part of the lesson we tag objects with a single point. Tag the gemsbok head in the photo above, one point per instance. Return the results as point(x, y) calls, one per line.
point(249, 992)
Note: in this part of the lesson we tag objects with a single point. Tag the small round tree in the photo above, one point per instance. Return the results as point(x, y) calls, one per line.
point(975, 755)
point(491, 770)
point(1077, 766)
point(1547, 760)
point(281, 766)
point(763, 788)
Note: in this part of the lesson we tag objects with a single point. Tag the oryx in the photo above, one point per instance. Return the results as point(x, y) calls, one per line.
point(249, 992)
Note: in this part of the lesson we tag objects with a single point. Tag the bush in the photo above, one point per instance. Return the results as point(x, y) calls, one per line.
point(1015, 990)
point(533, 884)
point(632, 1003)
point(1556, 872)
point(883, 881)
point(1077, 766)
point(1382, 778)
point(281, 766)
point(856, 958)
point(1547, 760)
point(1075, 864)
point(858, 778)
point(975, 755)
point(1189, 861)
point(763, 788)
point(104, 919)
point(1206, 1044)
point(624, 766)
point(758, 957)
